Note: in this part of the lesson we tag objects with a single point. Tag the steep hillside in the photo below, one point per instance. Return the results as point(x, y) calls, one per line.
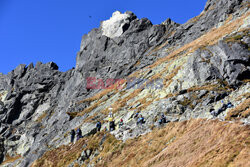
point(189, 72)
point(189, 143)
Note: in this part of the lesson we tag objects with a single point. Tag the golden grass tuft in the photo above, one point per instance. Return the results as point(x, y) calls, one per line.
point(86, 110)
point(117, 105)
point(97, 96)
point(196, 18)
point(42, 116)
point(241, 110)
point(89, 109)
point(220, 86)
point(104, 92)
point(137, 63)
point(9, 159)
point(245, 95)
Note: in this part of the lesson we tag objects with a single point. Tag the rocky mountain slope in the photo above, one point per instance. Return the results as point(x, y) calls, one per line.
point(185, 71)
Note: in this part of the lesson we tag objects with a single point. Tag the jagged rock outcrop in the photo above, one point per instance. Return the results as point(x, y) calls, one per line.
point(195, 65)
point(227, 61)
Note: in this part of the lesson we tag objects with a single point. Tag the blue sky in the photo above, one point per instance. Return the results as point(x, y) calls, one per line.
point(51, 30)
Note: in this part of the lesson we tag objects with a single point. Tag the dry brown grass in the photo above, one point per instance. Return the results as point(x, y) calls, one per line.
point(195, 19)
point(146, 104)
point(61, 156)
point(221, 86)
point(104, 92)
point(9, 159)
point(168, 79)
point(237, 36)
point(86, 110)
point(246, 113)
point(97, 96)
point(245, 95)
point(137, 63)
point(89, 109)
point(117, 105)
point(157, 48)
point(189, 143)
point(207, 39)
point(42, 116)
point(1, 94)
point(66, 154)
point(241, 110)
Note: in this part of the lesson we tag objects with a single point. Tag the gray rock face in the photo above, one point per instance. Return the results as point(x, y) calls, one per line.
point(2, 149)
point(227, 61)
point(34, 100)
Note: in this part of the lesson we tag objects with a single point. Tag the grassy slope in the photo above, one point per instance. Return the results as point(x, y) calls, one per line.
point(189, 143)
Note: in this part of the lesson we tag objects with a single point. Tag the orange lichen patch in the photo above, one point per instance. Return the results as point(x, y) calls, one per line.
point(9, 159)
point(189, 143)
point(207, 39)
point(241, 110)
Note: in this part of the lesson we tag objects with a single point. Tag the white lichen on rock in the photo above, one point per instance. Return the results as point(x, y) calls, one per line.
point(114, 26)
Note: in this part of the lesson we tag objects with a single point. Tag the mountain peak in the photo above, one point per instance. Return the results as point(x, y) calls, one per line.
point(117, 24)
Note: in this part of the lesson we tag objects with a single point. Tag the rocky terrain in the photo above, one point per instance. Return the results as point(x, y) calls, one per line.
point(185, 71)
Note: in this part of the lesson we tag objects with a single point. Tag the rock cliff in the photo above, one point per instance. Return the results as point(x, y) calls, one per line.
point(187, 71)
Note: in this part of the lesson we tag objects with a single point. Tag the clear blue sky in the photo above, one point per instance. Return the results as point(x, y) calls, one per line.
point(51, 30)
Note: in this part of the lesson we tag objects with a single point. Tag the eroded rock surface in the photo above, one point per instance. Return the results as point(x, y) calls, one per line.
point(36, 101)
